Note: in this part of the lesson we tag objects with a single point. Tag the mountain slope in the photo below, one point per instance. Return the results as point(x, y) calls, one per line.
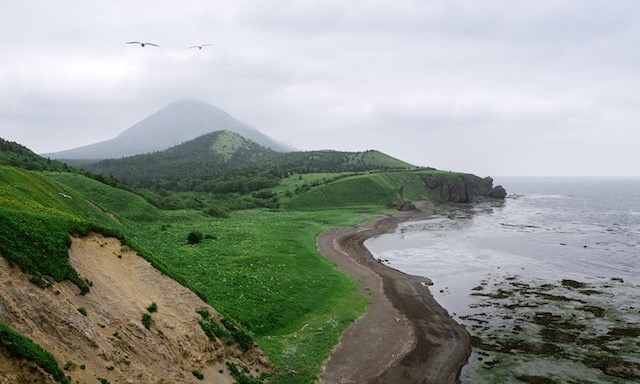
point(174, 124)
point(223, 162)
point(201, 161)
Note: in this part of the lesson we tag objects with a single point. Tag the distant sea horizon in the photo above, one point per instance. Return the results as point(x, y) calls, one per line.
point(546, 282)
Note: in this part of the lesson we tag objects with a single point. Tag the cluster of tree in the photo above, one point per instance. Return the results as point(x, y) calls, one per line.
point(194, 167)
point(17, 155)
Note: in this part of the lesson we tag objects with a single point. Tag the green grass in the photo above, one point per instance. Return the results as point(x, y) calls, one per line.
point(38, 215)
point(123, 205)
point(263, 270)
point(23, 348)
point(368, 189)
point(227, 144)
point(379, 159)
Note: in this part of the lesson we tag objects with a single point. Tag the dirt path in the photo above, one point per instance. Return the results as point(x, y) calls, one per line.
point(405, 336)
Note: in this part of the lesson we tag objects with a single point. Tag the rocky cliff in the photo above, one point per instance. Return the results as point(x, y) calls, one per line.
point(461, 188)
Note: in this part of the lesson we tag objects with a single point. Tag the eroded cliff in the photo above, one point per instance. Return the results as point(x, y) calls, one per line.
point(102, 334)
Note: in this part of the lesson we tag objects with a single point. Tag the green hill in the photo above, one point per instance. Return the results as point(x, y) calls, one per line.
point(380, 189)
point(225, 162)
point(38, 215)
point(208, 163)
point(16, 155)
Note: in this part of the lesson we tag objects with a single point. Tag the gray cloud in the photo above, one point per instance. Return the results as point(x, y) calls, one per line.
point(491, 86)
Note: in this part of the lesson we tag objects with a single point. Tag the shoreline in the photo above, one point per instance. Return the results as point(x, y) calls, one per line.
point(405, 335)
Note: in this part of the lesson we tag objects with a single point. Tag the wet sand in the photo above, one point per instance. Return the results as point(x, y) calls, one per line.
point(405, 336)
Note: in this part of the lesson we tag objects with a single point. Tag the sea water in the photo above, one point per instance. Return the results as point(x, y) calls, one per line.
point(547, 282)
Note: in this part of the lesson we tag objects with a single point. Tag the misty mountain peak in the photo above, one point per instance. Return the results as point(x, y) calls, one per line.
point(176, 123)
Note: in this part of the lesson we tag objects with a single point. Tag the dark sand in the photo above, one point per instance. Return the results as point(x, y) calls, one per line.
point(405, 336)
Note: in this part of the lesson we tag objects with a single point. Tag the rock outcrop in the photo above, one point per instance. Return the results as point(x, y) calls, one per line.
point(400, 203)
point(498, 192)
point(461, 188)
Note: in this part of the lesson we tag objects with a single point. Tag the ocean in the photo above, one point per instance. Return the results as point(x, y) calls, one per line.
point(547, 282)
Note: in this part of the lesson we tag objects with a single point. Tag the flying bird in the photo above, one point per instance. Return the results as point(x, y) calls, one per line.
point(199, 46)
point(142, 44)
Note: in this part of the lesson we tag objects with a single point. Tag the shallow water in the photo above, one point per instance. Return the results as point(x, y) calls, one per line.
point(498, 267)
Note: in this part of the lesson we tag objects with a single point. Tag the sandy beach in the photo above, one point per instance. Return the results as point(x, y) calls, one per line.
point(405, 336)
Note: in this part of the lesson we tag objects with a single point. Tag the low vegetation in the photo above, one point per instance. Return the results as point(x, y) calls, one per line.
point(242, 375)
point(199, 375)
point(146, 320)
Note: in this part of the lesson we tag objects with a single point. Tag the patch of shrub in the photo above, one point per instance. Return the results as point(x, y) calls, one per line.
point(152, 308)
point(195, 237)
point(229, 331)
point(102, 380)
point(214, 330)
point(238, 333)
point(146, 320)
point(70, 366)
point(83, 311)
point(204, 313)
point(199, 375)
point(263, 195)
point(242, 374)
point(217, 212)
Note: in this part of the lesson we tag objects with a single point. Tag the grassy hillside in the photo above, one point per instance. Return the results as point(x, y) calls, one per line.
point(368, 189)
point(37, 216)
point(123, 206)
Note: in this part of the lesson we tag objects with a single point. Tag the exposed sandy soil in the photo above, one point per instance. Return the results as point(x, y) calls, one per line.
point(111, 341)
point(405, 336)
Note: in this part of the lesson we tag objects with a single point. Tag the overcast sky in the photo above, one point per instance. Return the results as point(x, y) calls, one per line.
point(489, 87)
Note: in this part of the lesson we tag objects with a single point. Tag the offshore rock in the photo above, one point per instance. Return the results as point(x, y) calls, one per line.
point(498, 192)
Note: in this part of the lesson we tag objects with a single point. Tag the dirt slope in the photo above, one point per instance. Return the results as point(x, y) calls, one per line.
point(111, 340)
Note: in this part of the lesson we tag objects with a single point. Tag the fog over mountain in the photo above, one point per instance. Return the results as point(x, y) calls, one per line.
point(492, 87)
point(176, 123)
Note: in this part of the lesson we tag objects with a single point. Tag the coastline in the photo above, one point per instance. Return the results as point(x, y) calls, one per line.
point(405, 335)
